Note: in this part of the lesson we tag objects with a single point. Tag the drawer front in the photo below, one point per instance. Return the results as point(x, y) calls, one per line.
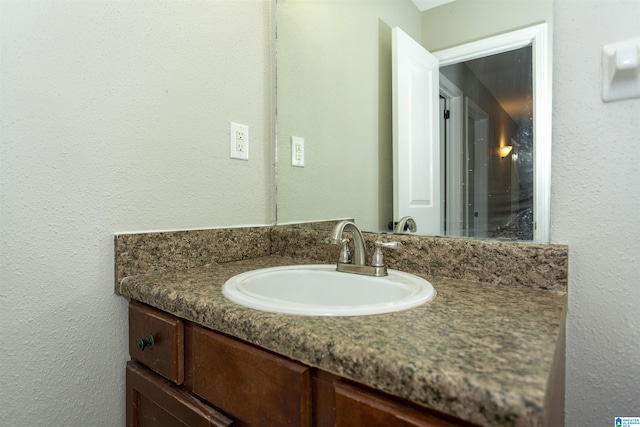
point(255, 387)
point(156, 339)
point(357, 407)
point(152, 401)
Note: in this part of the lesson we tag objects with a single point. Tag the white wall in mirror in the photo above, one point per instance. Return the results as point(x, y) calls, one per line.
point(464, 21)
point(333, 86)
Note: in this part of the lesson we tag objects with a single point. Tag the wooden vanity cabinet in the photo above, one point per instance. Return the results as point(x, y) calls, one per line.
point(228, 382)
point(156, 346)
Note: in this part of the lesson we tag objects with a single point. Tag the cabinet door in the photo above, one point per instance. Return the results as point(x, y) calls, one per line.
point(153, 401)
point(255, 387)
point(358, 407)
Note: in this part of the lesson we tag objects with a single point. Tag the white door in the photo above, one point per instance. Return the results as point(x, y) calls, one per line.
point(416, 134)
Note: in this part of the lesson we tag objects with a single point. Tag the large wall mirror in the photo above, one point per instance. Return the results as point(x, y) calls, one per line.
point(334, 94)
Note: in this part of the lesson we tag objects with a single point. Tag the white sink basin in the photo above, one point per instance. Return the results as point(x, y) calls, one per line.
point(319, 290)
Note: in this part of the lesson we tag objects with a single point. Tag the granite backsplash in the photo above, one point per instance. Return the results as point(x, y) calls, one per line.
point(526, 265)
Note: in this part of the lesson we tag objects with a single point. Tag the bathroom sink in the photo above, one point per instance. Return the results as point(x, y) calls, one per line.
point(319, 290)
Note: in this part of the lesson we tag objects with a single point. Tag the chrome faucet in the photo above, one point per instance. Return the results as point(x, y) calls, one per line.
point(358, 241)
point(376, 268)
point(406, 222)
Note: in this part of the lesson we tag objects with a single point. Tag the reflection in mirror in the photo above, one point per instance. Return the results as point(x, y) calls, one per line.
point(334, 91)
point(494, 192)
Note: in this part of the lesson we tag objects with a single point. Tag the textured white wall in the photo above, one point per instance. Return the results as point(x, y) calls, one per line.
point(595, 208)
point(114, 118)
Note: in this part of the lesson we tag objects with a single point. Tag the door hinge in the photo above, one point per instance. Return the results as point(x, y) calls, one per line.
point(447, 114)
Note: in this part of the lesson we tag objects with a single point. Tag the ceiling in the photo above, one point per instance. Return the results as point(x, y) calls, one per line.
point(423, 5)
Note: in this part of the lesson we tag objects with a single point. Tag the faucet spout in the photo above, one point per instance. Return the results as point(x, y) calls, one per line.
point(406, 223)
point(336, 238)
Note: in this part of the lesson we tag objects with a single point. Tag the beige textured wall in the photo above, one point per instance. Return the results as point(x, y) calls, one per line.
point(114, 117)
point(594, 210)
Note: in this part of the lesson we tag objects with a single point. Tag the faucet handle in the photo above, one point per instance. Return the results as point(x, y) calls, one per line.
point(345, 254)
point(377, 259)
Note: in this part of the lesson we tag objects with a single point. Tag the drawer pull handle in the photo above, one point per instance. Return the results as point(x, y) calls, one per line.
point(146, 342)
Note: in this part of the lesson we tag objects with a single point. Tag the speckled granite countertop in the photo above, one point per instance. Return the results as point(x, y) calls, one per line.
point(478, 351)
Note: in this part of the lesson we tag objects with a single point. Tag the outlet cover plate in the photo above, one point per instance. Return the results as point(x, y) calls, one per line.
point(297, 151)
point(238, 141)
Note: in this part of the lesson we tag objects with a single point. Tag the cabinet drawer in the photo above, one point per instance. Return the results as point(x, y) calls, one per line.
point(255, 387)
point(357, 407)
point(156, 339)
point(153, 401)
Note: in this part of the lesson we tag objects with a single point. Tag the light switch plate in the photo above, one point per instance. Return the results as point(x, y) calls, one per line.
point(297, 151)
point(239, 141)
point(621, 70)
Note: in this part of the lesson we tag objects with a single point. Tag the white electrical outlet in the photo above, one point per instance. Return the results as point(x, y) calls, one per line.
point(239, 141)
point(297, 151)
